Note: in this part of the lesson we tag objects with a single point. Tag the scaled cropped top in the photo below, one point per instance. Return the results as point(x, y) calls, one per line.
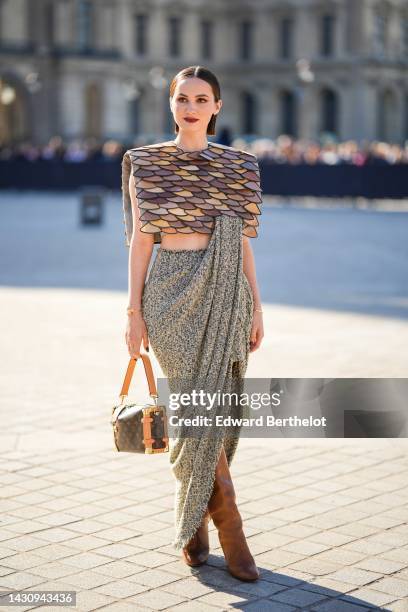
point(182, 191)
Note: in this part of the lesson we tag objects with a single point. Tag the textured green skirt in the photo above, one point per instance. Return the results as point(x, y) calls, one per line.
point(197, 305)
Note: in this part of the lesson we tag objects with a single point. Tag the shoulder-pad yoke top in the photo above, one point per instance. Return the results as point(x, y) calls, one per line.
point(182, 191)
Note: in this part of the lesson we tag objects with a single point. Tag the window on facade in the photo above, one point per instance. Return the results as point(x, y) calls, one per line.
point(93, 110)
point(329, 111)
point(1, 22)
point(248, 102)
point(134, 116)
point(108, 34)
point(207, 28)
point(288, 113)
point(63, 28)
point(380, 33)
point(174, 24)
point(386, 116)
point(14, 118)
point(140, 32)
point(286, 38)
point(85, 24)
point(327, 35)
point(245, 40)
point(49, 26)
point(406, 116)
point(404, 35)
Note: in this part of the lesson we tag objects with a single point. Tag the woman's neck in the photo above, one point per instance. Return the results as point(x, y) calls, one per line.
point(190, 144)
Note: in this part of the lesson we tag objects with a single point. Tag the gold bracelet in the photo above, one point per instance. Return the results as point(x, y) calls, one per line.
point(257, 310)
point(132, 310)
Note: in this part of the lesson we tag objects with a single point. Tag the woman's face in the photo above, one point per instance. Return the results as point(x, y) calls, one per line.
point(193, 98)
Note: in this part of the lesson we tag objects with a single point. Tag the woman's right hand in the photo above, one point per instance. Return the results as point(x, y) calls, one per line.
point(136, 332)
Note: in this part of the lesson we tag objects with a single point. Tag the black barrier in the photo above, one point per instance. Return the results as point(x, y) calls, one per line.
point(342, 180)
point(320, 180)
point(54, 175)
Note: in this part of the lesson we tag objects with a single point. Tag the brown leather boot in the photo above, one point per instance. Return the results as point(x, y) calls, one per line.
point(197, 550)
point(227, 519)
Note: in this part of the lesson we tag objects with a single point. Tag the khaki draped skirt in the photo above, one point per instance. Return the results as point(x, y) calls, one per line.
point(197, 305)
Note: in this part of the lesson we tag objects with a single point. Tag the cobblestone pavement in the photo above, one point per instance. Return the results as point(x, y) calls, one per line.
point(326, 519)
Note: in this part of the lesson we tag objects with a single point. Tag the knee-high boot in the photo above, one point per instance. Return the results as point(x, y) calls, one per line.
point(197, 550)
point(227, 519)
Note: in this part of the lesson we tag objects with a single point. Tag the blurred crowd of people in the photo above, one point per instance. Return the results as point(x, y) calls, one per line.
point(282, 150)
point(77, 150)
point(287, 150)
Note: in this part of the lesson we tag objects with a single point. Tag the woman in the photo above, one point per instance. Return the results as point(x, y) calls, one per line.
point(200, 308)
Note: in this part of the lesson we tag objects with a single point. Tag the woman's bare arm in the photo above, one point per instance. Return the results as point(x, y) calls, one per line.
point(248, 265)
point(140, 252)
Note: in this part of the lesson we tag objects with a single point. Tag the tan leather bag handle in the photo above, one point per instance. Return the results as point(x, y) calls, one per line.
point(149, 375)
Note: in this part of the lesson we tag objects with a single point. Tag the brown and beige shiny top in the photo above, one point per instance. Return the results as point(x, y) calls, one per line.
point(182, 191)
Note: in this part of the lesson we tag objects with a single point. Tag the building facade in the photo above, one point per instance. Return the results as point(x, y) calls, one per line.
point(102, 68)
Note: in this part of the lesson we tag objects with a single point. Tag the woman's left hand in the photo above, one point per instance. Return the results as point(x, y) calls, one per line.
point(257, 331)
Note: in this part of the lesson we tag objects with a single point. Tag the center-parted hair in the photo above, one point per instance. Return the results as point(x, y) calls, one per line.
point(206, 75)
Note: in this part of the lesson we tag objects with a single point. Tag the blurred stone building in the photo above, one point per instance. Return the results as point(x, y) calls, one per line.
point(102, 68)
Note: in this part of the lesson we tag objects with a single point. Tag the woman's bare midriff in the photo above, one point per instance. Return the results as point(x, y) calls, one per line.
point(192, 242)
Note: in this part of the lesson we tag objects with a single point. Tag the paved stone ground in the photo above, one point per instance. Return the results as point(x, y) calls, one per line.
point(325, 519)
